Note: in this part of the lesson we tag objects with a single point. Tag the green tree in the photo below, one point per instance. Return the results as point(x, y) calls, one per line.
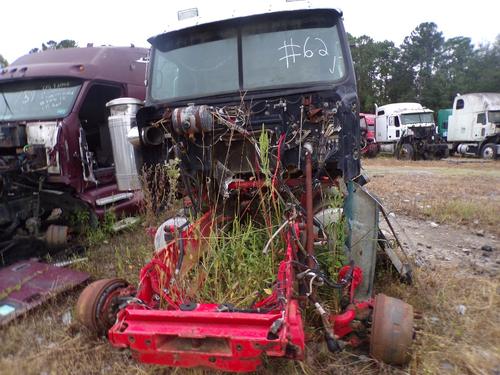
point(453, 74)
point(484, 70)
point(52, 44)
point(374, 65)
point(3, 62)
point(421, 55)
point(426, 68)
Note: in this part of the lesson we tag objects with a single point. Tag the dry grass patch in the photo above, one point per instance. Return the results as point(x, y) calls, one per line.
point(445, 195)
point(460, 329)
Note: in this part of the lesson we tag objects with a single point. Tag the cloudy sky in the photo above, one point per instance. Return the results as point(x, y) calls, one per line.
point(26, 24)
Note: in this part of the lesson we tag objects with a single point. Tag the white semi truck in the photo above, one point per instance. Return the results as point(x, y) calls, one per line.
point(408, 131)
point(474, 125)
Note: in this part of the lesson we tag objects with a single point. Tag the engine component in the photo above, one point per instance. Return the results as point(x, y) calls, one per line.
point(192, 119)
point(56, 235)
point(120, 122)
point(12, 135)
point(153, 135)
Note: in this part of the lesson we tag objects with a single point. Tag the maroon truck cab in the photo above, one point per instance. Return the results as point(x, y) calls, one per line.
point(56, 154)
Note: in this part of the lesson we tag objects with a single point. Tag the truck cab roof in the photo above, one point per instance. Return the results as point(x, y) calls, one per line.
point(120, 64)
point(207, 13)
point(398, 108)
point(479, 101)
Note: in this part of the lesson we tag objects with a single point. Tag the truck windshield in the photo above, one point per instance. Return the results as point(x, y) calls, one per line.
point(275, 52)
point(417, 118)
point(494, 116)
point(37, 99)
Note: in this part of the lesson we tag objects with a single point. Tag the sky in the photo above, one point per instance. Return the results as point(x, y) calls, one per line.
point(28, 24)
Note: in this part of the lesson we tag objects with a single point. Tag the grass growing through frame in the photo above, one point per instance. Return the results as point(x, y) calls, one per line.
point(331, 255)
point(234, 268)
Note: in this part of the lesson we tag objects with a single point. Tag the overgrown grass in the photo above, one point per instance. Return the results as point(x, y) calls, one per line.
point(233, 268)
point(159, 186)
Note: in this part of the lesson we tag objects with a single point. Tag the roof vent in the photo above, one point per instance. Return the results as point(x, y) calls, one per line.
point(187, 13)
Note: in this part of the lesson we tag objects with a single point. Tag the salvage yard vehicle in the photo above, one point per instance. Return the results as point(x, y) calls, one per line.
point(259, 108)
point(442, 122)
point(408, 131)
point(474, 125)
point(56, 151)
point(369, 146)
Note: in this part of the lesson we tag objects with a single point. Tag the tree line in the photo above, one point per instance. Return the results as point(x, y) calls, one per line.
point(426, 68)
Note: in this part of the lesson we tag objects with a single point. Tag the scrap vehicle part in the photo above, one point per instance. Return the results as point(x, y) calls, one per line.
point(192, 119)
point(392, 330)
point(400, 260)
point(97, 305)
point(56, 235)
point(27, 284)
point(120, 121)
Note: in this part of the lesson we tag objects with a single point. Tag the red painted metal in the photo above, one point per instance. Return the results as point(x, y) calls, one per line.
point(342, 322)
point(159, 331)
point(309, 212)
point(162, 326)
point(353, 278)
point(370, 145)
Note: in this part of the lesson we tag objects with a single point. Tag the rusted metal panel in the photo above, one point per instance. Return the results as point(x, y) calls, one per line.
point(27, 284)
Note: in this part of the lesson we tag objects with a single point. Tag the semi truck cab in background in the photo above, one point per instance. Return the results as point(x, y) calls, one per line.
point(474, 125)
point(408, 131)
point(56, 150)
point(369, 146)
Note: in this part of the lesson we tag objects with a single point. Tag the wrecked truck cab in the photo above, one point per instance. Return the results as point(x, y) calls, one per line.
point(56, 154)
point(292, 70)
point(259, 108)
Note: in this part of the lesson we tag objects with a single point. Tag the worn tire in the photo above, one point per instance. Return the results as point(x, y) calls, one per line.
point(489, 151)
point(95, 308)
point(392, 330)
point(406, 152)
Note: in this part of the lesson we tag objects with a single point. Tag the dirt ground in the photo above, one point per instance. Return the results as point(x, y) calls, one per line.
point(450, 212)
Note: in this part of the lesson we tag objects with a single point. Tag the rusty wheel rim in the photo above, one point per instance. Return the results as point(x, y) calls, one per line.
point(96, 308)
point(392, 330)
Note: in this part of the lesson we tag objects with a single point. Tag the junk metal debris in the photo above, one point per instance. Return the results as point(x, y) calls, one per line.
point(27, 284)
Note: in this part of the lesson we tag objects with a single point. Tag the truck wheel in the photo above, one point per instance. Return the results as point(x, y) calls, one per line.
point(405, 152)
point(392, 330)
point(96, 307)
point(489, 151)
